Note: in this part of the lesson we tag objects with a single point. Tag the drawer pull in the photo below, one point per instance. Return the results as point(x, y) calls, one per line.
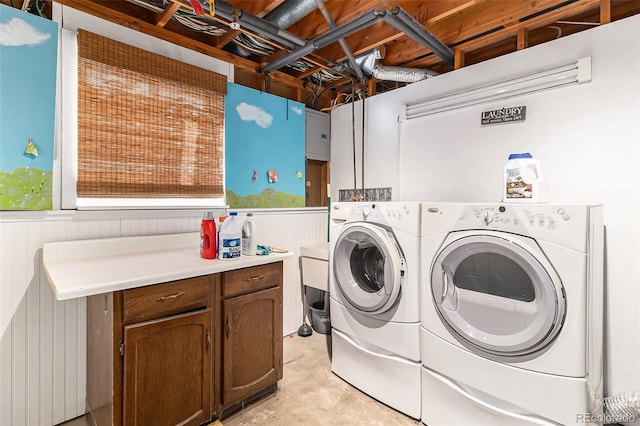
point(259, 277)
point(173, 296)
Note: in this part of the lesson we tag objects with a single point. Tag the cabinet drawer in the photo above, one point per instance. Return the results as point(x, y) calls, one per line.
point(167, 298)
point(251, 279)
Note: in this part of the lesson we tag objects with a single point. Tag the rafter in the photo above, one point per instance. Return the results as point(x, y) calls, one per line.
point(476, 30)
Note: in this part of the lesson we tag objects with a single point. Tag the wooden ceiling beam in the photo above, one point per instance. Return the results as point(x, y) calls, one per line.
point(259, 8)
point(385, 34)
point(485, 20)
point(548, 18)
point(165, 16)
point(523, 38)
point(486, 16)
point(509, 31)
point(119, 18)
point(341, 11)
point(226, 39)
point(605, 11)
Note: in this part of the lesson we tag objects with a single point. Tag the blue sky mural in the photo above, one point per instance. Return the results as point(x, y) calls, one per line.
point(263, 133)
point(28, 66)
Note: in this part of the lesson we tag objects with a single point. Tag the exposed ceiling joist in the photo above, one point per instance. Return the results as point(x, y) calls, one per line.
point(310, 50)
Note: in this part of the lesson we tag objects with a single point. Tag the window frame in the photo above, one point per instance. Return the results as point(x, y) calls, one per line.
point(67, 117)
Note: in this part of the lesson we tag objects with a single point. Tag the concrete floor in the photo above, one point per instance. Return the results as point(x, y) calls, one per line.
point(309, 394)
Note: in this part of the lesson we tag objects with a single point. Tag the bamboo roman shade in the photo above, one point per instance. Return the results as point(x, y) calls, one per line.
point(148, 126)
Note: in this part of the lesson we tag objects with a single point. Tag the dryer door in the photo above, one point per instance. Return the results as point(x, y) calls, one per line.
point(498, 293)
point(368, 267)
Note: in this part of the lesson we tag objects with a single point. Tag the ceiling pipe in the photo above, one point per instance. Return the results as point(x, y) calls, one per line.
point(352, 61)
point(357, 24)
point(396, 17)
point(402, 21)
point(255, 24)
point(283, 16)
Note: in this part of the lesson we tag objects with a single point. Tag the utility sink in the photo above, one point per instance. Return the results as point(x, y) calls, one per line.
point(315, 265)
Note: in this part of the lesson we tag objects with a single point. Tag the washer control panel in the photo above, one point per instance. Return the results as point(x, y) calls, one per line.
point(398, 215)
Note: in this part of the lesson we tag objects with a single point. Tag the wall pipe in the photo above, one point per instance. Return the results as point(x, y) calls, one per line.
point(396, 17)
point(343, 44)
point(357, 24)
point(402, 21)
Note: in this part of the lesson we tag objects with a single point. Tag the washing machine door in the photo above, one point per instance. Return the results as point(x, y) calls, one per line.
point(497, 293)
point(368, 267)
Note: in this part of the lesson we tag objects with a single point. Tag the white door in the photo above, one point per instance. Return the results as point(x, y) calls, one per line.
point(497, 293)
point(368, 267)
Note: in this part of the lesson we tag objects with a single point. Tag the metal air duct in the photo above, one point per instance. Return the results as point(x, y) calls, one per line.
point(290, 12)
point(370, 64)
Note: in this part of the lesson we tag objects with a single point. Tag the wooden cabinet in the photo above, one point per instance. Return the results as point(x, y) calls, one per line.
point(251, 335)
point(167, 370)
point(183, 351)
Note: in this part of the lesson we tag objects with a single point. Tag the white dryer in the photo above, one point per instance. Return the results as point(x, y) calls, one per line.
point(511, 314)
point(374, 265)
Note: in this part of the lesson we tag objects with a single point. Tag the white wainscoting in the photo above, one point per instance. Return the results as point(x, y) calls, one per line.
point(43, 341)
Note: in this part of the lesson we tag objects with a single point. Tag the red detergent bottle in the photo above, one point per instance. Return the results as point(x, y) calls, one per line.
point(208, 236)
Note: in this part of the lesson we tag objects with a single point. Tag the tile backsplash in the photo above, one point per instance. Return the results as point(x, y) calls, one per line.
point(370, 194)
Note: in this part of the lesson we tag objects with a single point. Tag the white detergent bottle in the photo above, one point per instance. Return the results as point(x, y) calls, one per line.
point(230, 235)
point(523, 180)
point(249, 236)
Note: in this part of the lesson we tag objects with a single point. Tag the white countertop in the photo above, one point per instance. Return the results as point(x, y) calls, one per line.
point(88, 267)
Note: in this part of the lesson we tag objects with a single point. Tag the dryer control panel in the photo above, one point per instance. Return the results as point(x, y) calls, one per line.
point(566, 224)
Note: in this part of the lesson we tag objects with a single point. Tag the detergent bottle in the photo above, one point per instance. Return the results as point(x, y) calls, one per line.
point(523, 179)
point(249, 236)
point(229, 246)
point(208, 236)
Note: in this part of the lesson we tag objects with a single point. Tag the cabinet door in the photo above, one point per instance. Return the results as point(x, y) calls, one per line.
point(167, 370)
point(252, 341)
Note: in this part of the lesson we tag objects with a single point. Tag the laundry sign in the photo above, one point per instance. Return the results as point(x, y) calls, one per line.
point(504, 115)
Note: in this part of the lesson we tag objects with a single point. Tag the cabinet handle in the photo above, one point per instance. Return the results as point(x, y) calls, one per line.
point(228, 330)
point(259, 277)
point(208, 340)
point(173, 296)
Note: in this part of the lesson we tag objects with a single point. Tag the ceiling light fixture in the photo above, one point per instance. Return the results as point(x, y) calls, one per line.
point(577, 72)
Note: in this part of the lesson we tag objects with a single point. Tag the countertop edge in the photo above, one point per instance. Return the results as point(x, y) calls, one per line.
point(72, 277)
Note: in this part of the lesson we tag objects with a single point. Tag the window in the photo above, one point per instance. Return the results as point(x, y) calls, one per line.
point(150, 129)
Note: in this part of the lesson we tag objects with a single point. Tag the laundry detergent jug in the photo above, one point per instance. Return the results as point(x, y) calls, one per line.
point(523, 179)
point(230, 235)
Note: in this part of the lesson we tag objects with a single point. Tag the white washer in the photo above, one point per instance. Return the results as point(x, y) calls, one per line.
point(511, 314)
point(374, 265)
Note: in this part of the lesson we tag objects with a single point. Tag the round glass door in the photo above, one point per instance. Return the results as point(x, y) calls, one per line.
point(496, 296)
point(367, 267)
